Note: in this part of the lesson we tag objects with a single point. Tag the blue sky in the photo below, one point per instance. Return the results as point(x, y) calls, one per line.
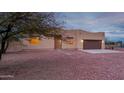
point(112, 23)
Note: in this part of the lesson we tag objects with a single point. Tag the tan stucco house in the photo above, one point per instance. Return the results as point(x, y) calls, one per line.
point(68, 39)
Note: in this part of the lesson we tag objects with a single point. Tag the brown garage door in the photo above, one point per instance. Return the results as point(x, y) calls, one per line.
point(92, 44)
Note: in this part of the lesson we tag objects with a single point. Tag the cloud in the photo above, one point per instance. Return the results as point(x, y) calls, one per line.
point(95, 21)
point(115, 35)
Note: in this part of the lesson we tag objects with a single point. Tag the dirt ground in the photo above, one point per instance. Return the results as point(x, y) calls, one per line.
point(61, 65)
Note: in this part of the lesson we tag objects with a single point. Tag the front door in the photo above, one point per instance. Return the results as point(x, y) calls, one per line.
point(58, 42)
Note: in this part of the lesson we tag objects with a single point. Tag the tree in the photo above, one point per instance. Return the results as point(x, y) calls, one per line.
point(16, 24)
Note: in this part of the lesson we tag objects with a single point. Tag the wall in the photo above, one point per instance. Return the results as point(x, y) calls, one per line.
point(80, 35)
point(45, 43)
point(65, 44)
point(15, 46)
point(83, 35)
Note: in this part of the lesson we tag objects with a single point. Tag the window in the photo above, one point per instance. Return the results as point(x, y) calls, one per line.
point(69, 40)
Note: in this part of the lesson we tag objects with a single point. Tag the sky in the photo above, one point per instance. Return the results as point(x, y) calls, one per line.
point(112, 23)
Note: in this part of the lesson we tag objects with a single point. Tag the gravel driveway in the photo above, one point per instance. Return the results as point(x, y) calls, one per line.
point(62, 65)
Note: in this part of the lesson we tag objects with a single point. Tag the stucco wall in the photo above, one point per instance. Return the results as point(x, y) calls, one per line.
point(80, 35)
point(45, 43)
point(103, 44)
point(83, 35)
point(15, 46)
point(92, 35)
point(66, 45)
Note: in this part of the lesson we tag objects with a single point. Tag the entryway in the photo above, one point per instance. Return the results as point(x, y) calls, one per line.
point(58, 42)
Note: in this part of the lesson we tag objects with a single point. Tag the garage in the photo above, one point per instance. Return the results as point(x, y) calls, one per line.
point(92, 44)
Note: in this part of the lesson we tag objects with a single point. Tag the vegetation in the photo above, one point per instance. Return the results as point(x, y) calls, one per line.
point(113, 44)
point(14, 25)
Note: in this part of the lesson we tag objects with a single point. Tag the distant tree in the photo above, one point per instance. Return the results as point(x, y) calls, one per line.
point(15, 24)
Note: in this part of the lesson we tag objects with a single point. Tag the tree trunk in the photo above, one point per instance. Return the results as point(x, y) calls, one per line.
point(4, 41)
point(0, 54)
point(6, 46)
point(1, 50)
point(3, 46)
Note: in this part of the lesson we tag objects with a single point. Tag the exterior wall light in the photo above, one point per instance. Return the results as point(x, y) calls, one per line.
point(35, 41)
point(82, 41)
point(103, 41)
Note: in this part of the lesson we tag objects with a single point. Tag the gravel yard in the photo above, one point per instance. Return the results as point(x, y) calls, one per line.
point(61, 65)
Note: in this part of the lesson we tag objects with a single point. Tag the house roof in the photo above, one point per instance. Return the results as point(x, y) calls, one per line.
point(63, 30)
